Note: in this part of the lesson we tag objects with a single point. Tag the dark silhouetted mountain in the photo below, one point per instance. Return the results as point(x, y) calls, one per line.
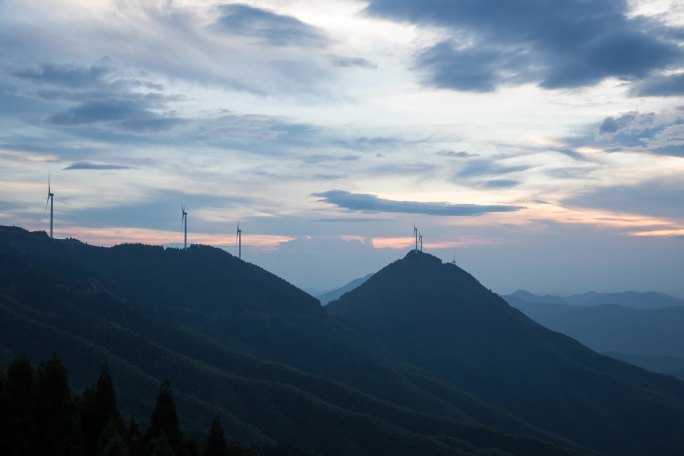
point(612, 328)
point(634, 299)
point(441, 318)
point(332, 295)
point(237, 343)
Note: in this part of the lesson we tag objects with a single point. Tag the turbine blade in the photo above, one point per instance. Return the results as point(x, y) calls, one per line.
point(46, 203)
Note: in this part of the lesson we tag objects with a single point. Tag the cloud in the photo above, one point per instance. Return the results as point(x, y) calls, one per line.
point(658, 133)
point(571, 44)
point(276, 29)
point(84, 165)
point(161, 209)
point(661, 86)
point(351, 220)
point(454, 154)
point(566, 172)
point(351, 62)
point(501, 183)
point(322, 158)
point(92, 111)
point(132, 114)
point(246, 54)
point(68, 75)
point(371, 203)
point(659, 198)
point(475, 168)
point(609, 126)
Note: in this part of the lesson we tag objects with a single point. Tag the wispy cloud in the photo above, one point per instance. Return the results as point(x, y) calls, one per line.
point(276, 29)
point(651, 132)
point(455, 154)
point(477, 168)
point(83, 165)
point(371, 203)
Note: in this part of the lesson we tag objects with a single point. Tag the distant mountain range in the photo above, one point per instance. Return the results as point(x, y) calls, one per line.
point(634, 299)
point(645, 333)
point(237, 342)
point(442, 319)
point(332, 295)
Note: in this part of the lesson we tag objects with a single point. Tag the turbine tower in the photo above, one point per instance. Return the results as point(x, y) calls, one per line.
point(238, 239)
point(184, 223)
point(415, 234)
point(51, 200)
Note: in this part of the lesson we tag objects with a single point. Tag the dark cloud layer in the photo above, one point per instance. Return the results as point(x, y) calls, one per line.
point(371, 203)
point(84, 165)
point(277, 29)
point(572, 43)
point(661, 86)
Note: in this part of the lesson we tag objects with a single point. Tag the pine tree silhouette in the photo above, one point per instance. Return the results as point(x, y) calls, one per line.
point(99, 407)
point(55, 409)
point(216, 442)
point(18, 426)
point(164, 420)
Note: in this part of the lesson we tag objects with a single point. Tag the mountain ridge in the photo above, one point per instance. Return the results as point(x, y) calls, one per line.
point(441, 318)
point(239, 342)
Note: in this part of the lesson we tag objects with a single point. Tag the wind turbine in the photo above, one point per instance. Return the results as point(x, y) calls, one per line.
point(51, 200)
point(415, 234)
point(238, 239)
point(420, 238)
point(184, 223)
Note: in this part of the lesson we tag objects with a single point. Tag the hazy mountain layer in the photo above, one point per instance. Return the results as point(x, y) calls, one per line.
point(606, 328)
point(634, 299)
point(332, 295)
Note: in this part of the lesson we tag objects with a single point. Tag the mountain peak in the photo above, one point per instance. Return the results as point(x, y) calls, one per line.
point(418, 256)
point(439, 317)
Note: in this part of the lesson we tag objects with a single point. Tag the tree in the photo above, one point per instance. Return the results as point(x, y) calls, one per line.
point(18, 421)
point(55, 411)
point(164, 420)
point(114, 447)
point(99, 407)
point(136, 445)
point(161, 446)
point(216, 442)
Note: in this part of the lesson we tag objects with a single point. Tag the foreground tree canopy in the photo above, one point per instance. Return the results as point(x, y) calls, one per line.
point(39, 414)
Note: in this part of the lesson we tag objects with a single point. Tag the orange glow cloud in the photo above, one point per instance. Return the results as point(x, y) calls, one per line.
point(400, 243)
point(360, 239)
point(109, 236)
point(660, 233)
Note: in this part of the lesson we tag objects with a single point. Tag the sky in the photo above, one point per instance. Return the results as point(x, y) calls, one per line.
point(539, 144)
